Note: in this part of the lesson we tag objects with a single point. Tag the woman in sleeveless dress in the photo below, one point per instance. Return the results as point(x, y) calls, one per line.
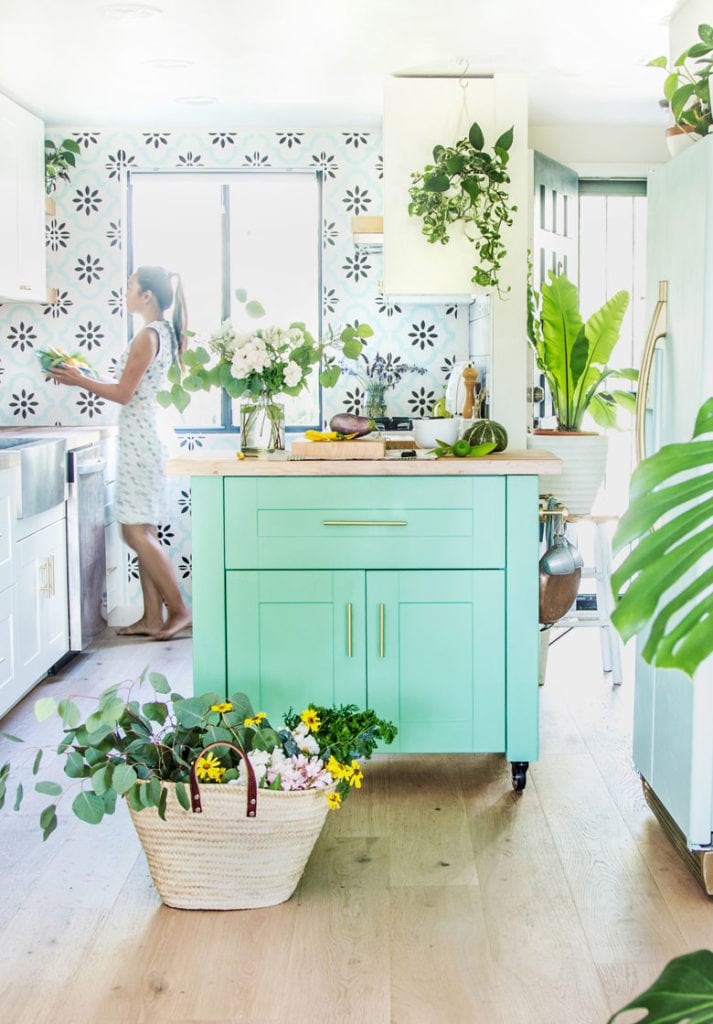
point(140, 483)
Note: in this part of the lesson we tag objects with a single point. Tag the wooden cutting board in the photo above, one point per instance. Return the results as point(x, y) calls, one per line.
point(359, 448)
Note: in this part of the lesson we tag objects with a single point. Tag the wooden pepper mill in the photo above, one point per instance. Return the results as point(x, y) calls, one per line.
point(470, 376)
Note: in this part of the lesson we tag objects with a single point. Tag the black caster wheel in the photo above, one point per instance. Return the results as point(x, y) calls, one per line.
point(519, 775)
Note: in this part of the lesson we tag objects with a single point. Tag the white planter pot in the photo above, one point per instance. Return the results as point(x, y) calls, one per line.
point(584, 458)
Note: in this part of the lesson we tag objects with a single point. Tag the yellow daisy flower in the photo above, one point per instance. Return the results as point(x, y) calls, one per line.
point(334, 800)
point(207, 766)
point(222, 708)
point(355, 774)
point(256, 719)
point(311, 719)
point(335, 768)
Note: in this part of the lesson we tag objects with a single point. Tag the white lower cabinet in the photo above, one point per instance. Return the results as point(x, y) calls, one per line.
point(115, 561)
point(7, 642)
point(39, 618)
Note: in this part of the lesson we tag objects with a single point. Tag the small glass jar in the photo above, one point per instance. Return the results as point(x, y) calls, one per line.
point(375, 399)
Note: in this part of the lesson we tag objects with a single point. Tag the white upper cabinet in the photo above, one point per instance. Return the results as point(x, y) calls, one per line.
point(22, 199)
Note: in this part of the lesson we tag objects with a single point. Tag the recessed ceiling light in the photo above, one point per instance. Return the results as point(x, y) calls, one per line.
point(196, 101)
point(131, 12)
point(168, 63)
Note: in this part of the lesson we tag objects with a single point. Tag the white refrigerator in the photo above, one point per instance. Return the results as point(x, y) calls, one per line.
point(673, 716)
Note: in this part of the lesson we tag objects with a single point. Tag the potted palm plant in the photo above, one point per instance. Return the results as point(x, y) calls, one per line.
point(573, 355)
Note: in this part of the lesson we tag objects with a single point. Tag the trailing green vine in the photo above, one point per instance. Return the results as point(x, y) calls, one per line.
point(465, 183)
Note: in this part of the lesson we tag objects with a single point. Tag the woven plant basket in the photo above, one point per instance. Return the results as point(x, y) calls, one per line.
point(220, 856)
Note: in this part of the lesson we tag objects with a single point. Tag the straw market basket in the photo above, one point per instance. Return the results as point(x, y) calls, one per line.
point(233, 850)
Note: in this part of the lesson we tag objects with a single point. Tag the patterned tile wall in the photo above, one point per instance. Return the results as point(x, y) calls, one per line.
point(84, 261)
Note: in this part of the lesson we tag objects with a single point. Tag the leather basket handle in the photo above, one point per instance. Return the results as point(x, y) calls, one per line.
point(196, 806)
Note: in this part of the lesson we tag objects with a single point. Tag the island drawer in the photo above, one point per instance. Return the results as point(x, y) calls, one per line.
point(365, 522)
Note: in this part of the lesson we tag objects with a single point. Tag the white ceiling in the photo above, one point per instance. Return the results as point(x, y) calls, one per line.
point(284, 63)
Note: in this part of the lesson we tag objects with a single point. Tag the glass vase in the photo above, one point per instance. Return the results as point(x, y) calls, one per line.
point(375, 399)
point(262, 426)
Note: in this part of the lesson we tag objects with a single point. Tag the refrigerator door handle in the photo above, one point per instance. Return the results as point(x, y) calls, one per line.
point(657, 330)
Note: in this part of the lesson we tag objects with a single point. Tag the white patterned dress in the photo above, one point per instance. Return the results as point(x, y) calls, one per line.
point(141, 475)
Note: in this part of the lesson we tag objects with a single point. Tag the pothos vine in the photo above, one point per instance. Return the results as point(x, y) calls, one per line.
point(465, 183)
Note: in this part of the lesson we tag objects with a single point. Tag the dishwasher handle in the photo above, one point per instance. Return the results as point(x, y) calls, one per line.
point(87, 468)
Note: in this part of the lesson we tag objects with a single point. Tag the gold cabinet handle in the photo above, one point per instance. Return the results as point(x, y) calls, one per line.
point(364, 522)
point(657, 330)
point(349, 629)
point(53, 590)
point(45, 570)
point(381, 630)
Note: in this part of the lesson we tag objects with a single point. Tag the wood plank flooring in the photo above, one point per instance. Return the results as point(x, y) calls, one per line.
point(436, 896)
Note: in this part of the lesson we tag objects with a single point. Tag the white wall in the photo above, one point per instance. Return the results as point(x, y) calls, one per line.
point(604, 150)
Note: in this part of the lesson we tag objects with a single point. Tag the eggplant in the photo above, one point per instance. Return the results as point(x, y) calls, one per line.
point(346, 423)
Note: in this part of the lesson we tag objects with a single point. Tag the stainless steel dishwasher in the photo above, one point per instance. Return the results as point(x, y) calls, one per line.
point(86, 555)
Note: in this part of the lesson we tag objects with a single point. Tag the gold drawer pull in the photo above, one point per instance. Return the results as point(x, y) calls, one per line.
point(381, 631)
point(349, 629)
point(46, 587)
point(364, 522)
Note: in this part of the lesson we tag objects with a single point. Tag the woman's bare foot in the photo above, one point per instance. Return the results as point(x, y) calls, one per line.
point(175, 624)
point(141, 628)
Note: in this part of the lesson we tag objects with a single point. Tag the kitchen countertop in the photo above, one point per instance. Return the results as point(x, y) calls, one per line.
point(226, 463)
point(74, 436)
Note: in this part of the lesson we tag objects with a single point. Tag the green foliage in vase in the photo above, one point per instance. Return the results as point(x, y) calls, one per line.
point(668, 571)
point(466, 184)
point(259, 363)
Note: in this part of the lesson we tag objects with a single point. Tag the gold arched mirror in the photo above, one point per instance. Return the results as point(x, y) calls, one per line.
point(648, 399)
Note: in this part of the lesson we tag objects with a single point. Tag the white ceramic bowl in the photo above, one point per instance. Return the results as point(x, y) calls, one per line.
point(427, 433)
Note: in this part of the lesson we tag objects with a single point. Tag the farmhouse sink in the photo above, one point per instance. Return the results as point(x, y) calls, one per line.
point(42, 472)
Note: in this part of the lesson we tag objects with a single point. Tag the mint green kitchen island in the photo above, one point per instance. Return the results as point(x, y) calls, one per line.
point(407, 586)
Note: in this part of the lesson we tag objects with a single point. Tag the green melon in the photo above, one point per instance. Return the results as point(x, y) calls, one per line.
point(487, 432)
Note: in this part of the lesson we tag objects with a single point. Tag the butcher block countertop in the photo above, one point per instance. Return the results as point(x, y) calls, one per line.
point(227, 463)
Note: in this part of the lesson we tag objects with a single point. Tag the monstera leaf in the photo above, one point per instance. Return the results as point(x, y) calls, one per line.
point(670, 570)
point(683, 992)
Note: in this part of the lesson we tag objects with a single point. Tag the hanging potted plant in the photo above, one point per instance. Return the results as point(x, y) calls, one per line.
point(466, 184)
point(687, 91)
point(573, 355)
point(58, 161)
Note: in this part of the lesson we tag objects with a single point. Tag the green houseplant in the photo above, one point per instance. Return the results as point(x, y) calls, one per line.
point(687, 84)
point(466, 184)
point(682, 994)
point(133, 746)
point(258, 365)
point(573, 355)
point(59, 158)
point(667, 574)
point(242, 839)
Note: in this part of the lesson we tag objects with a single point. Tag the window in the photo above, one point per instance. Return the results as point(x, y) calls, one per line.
point(257, 230)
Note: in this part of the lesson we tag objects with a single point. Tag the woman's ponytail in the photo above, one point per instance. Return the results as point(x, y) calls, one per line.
point(179, 317)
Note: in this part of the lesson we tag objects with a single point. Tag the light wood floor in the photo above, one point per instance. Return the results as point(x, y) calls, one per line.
point(436, 896)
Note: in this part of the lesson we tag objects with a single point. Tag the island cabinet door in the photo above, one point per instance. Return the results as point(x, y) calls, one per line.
point(436, 658)
point(295, 637)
